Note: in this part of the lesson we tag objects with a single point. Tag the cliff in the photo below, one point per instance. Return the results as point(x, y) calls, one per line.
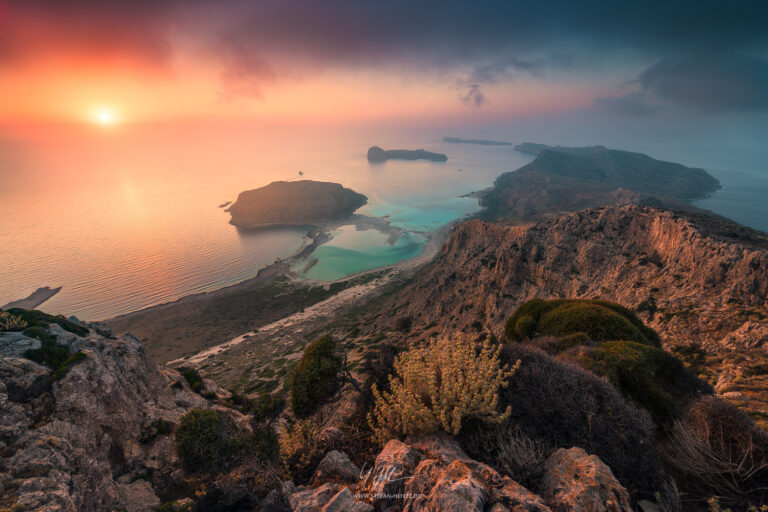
point(563, 179)
point(376, 154)
point(297, 203)
point(94, 437)
point(702, 273)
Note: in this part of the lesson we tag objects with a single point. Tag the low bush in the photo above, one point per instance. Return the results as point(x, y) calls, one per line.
point(209, 441)
point(511, 452)
point(315, 378)
point(717, 450)
point(599, 320)
point(439, 386)
point(560, 405)
point(243, 489)
point(649, 376)
point(193, 378)
point(38, 318)
point(71, 361)
point(50, 353)
point(379, 364)
point(263, 409)
point(301, 449)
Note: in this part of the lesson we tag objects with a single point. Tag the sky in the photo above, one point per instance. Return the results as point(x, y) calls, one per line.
point(340, 60)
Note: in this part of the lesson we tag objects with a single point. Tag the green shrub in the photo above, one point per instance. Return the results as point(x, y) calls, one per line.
point(40, 319)
point(315, 378)
point(193, 378)
point(649, 376)
point(10, 322)
point(50, 353)
point(209, 441)
point(64, 367)
point(600, 320)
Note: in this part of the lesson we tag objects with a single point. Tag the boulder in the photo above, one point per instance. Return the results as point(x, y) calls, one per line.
point(575, 481)
point(457, 489)
point(336, 466)
point(138, 496)
point(394, 464)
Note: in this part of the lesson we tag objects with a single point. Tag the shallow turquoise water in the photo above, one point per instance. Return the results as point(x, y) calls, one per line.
point(351, 251)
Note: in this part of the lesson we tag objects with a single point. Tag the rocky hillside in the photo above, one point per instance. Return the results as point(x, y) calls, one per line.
point(94, 436)
point(563, 179)
point(303, 203)
point(700, 282)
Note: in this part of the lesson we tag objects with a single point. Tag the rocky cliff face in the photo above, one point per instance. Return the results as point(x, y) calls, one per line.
point(303, 202)
point(95, 439)
point(702, 276)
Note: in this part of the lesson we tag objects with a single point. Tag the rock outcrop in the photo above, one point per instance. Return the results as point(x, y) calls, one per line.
point(577, 482)
point(376, 154)
point(296, 203)
point(95, 439)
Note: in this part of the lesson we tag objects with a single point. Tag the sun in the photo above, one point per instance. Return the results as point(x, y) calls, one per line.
point(104, 117)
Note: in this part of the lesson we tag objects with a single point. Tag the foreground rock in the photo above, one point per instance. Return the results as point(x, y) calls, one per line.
point(297, 203)
point(575, 481)
point(376, 154)
point(95, 439)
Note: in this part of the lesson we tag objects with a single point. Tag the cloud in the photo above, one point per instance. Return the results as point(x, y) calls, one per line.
point(710, 82)
point(474, 96)
point(632, 104)
point(259, 42)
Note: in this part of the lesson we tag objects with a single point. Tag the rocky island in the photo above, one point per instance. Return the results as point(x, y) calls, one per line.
point(566, 179)
point(481, 142)
point(294, 203)
point(376, 154)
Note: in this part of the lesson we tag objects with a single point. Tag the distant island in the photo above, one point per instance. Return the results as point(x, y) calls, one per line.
point(566, 179)
point(482, 142)
point(294, 203)
point(376, 154)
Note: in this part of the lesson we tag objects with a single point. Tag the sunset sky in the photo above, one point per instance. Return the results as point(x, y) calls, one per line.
point(337, 60)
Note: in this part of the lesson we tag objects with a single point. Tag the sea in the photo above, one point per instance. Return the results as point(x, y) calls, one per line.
point(130, 216)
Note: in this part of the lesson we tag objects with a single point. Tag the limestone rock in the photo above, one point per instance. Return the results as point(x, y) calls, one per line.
point(312, 500)
point(576, 481)
point(138, 496)
point(336, 466)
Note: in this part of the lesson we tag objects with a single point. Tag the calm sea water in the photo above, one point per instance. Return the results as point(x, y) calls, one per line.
point(128, 217)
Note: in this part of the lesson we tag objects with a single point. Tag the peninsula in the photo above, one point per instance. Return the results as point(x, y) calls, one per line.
point(376, 154)
point(294, 203)
point(34, 299)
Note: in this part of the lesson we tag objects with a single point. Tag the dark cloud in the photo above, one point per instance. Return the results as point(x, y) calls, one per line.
point(632, 104)
point(258, 41)
point(474, 96)
point(710, 82)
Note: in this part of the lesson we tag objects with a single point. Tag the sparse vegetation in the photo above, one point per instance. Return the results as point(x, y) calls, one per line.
point(35, 318)
point(11, 322)
point(439, 386)
point(209, 441)
point(300, 449)
point(68, 363)
point(193, 378)
point(315, 378)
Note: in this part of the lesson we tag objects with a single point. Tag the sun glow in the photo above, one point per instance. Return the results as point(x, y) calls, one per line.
point(104, 117)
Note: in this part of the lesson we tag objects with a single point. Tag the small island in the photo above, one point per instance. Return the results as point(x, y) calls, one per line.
point(376, 154)
point(481, 142)
point(294, 203)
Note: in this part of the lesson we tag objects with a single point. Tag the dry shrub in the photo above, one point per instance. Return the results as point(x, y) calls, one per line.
point(716, 450)
point(511, 452)
point(242, 489)
point(301, 449)
point(438, 386)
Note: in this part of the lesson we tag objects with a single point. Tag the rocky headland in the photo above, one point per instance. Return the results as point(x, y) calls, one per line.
point(297, 203)
point(376, 154)
point(563, 179)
